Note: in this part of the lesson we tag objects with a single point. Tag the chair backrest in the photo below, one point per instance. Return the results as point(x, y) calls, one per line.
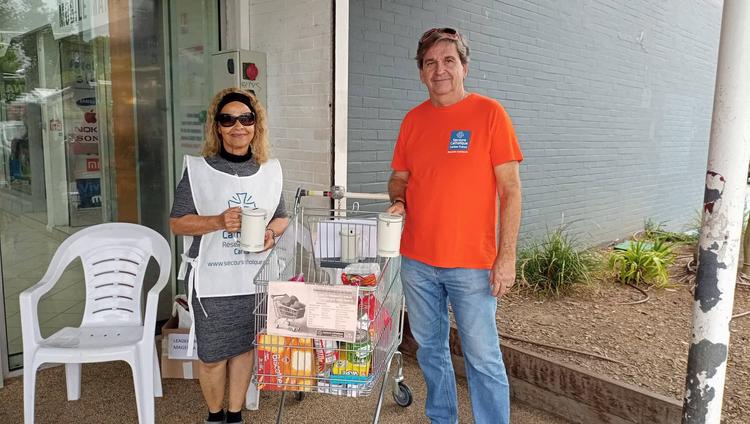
point(114, 258)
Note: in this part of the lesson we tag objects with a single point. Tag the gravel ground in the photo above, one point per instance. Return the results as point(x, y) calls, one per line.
point(650, 338)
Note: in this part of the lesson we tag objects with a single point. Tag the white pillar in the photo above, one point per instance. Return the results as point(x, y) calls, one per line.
point(341, 93)
point(726, 179)
point(235, 28)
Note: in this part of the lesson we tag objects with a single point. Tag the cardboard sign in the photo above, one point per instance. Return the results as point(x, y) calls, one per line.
point(177, 347)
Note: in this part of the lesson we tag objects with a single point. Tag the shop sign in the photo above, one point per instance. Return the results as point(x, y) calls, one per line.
point(92, 164)
point(69, 12)
point(85, 135)
point(75, 16)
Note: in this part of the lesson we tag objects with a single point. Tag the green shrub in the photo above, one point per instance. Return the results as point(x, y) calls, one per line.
point(643, 263)
point(553, 266)
point(655, 231)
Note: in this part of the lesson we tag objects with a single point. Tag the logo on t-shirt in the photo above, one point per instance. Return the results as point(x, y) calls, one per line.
point(459, 142)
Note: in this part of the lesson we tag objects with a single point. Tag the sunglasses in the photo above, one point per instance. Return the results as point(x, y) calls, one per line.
point(227, 120)
point(449, 32)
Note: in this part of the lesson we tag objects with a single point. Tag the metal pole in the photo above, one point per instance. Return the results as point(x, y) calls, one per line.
point(722, 220)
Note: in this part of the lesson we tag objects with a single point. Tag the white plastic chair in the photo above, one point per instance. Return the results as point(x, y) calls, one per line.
point(114, 258)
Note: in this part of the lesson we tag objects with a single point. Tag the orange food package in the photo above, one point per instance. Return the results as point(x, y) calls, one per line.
point(273, 362)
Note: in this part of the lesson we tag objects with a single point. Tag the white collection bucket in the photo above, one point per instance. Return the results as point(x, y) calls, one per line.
point(252, 231)
point(389, 234)
point(348, 245)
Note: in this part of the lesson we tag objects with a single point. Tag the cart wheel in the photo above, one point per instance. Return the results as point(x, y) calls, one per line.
point(300, 396)
point(403, 397)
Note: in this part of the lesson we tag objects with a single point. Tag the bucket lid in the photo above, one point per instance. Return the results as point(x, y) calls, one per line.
point(390, 218)
point(253, 212)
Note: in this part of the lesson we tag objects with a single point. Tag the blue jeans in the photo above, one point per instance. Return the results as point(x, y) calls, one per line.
point(428, 290)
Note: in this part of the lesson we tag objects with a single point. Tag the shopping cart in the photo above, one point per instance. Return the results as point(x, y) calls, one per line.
point(330, 247)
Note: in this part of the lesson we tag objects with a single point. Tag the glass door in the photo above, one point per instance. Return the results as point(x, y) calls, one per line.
point(193, 38)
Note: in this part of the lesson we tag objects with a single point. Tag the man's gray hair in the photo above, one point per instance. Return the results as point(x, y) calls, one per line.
point(437, 35)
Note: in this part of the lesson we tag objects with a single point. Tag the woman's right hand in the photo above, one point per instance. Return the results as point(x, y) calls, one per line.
point(231, 219)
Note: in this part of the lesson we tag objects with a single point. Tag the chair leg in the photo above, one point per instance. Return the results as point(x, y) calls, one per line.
point(157, 375)
point(73, 380)
point(147, 388)
point(29, 387)
point(135, 365)
point(143, 379)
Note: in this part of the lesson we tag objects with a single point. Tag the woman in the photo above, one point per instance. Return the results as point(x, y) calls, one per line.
point(234, 172)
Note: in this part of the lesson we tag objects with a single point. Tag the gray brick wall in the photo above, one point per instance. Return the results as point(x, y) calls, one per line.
point(297, 38)
point(611, 100)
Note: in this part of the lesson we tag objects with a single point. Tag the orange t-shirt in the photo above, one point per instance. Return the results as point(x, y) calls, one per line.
point(450, 154)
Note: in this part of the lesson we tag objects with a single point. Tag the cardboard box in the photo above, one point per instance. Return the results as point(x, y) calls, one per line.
point(175, 362)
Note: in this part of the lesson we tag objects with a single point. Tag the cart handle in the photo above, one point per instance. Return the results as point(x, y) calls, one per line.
point(339, 192)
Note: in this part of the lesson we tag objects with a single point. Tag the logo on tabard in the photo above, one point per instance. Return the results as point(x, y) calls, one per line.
point(243, 200)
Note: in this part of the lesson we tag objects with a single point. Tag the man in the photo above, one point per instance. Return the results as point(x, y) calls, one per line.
point(456, 153)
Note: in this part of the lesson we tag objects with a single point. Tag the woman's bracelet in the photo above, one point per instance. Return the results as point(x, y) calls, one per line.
point(273, 233)
point(403, 202)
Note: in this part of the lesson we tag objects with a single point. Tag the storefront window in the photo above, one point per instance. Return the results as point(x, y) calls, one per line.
point(54, 94)
point(83, 139)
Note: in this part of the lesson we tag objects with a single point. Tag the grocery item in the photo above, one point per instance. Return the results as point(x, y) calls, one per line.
point(361, 274)
point(326, 353)
point(345, 372)
point(380, 327)
point(359, 352)
point(285, 363)
point(301, 364)
point(273, 362)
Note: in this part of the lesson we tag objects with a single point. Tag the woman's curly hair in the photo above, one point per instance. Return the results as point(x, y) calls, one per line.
point(259, 145)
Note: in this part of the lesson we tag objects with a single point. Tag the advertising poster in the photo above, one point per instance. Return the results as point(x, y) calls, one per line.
point(81, 124)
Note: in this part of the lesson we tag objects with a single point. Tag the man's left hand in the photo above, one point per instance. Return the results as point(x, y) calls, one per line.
point(502, 276)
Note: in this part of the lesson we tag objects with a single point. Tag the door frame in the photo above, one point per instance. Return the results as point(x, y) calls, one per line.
point(3, 334)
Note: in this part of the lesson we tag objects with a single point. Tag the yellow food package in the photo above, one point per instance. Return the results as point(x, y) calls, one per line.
point(345, 372)
point(302, 363)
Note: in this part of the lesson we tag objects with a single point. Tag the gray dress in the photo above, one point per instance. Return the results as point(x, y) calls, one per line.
point(229, 329)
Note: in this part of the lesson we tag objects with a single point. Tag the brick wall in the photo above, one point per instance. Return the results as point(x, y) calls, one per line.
point(611, 100)
point(296, 37)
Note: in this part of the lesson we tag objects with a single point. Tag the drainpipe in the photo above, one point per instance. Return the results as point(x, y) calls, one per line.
point(724, 201)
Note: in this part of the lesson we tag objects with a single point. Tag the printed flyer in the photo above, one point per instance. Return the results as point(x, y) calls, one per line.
point(297, 309)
